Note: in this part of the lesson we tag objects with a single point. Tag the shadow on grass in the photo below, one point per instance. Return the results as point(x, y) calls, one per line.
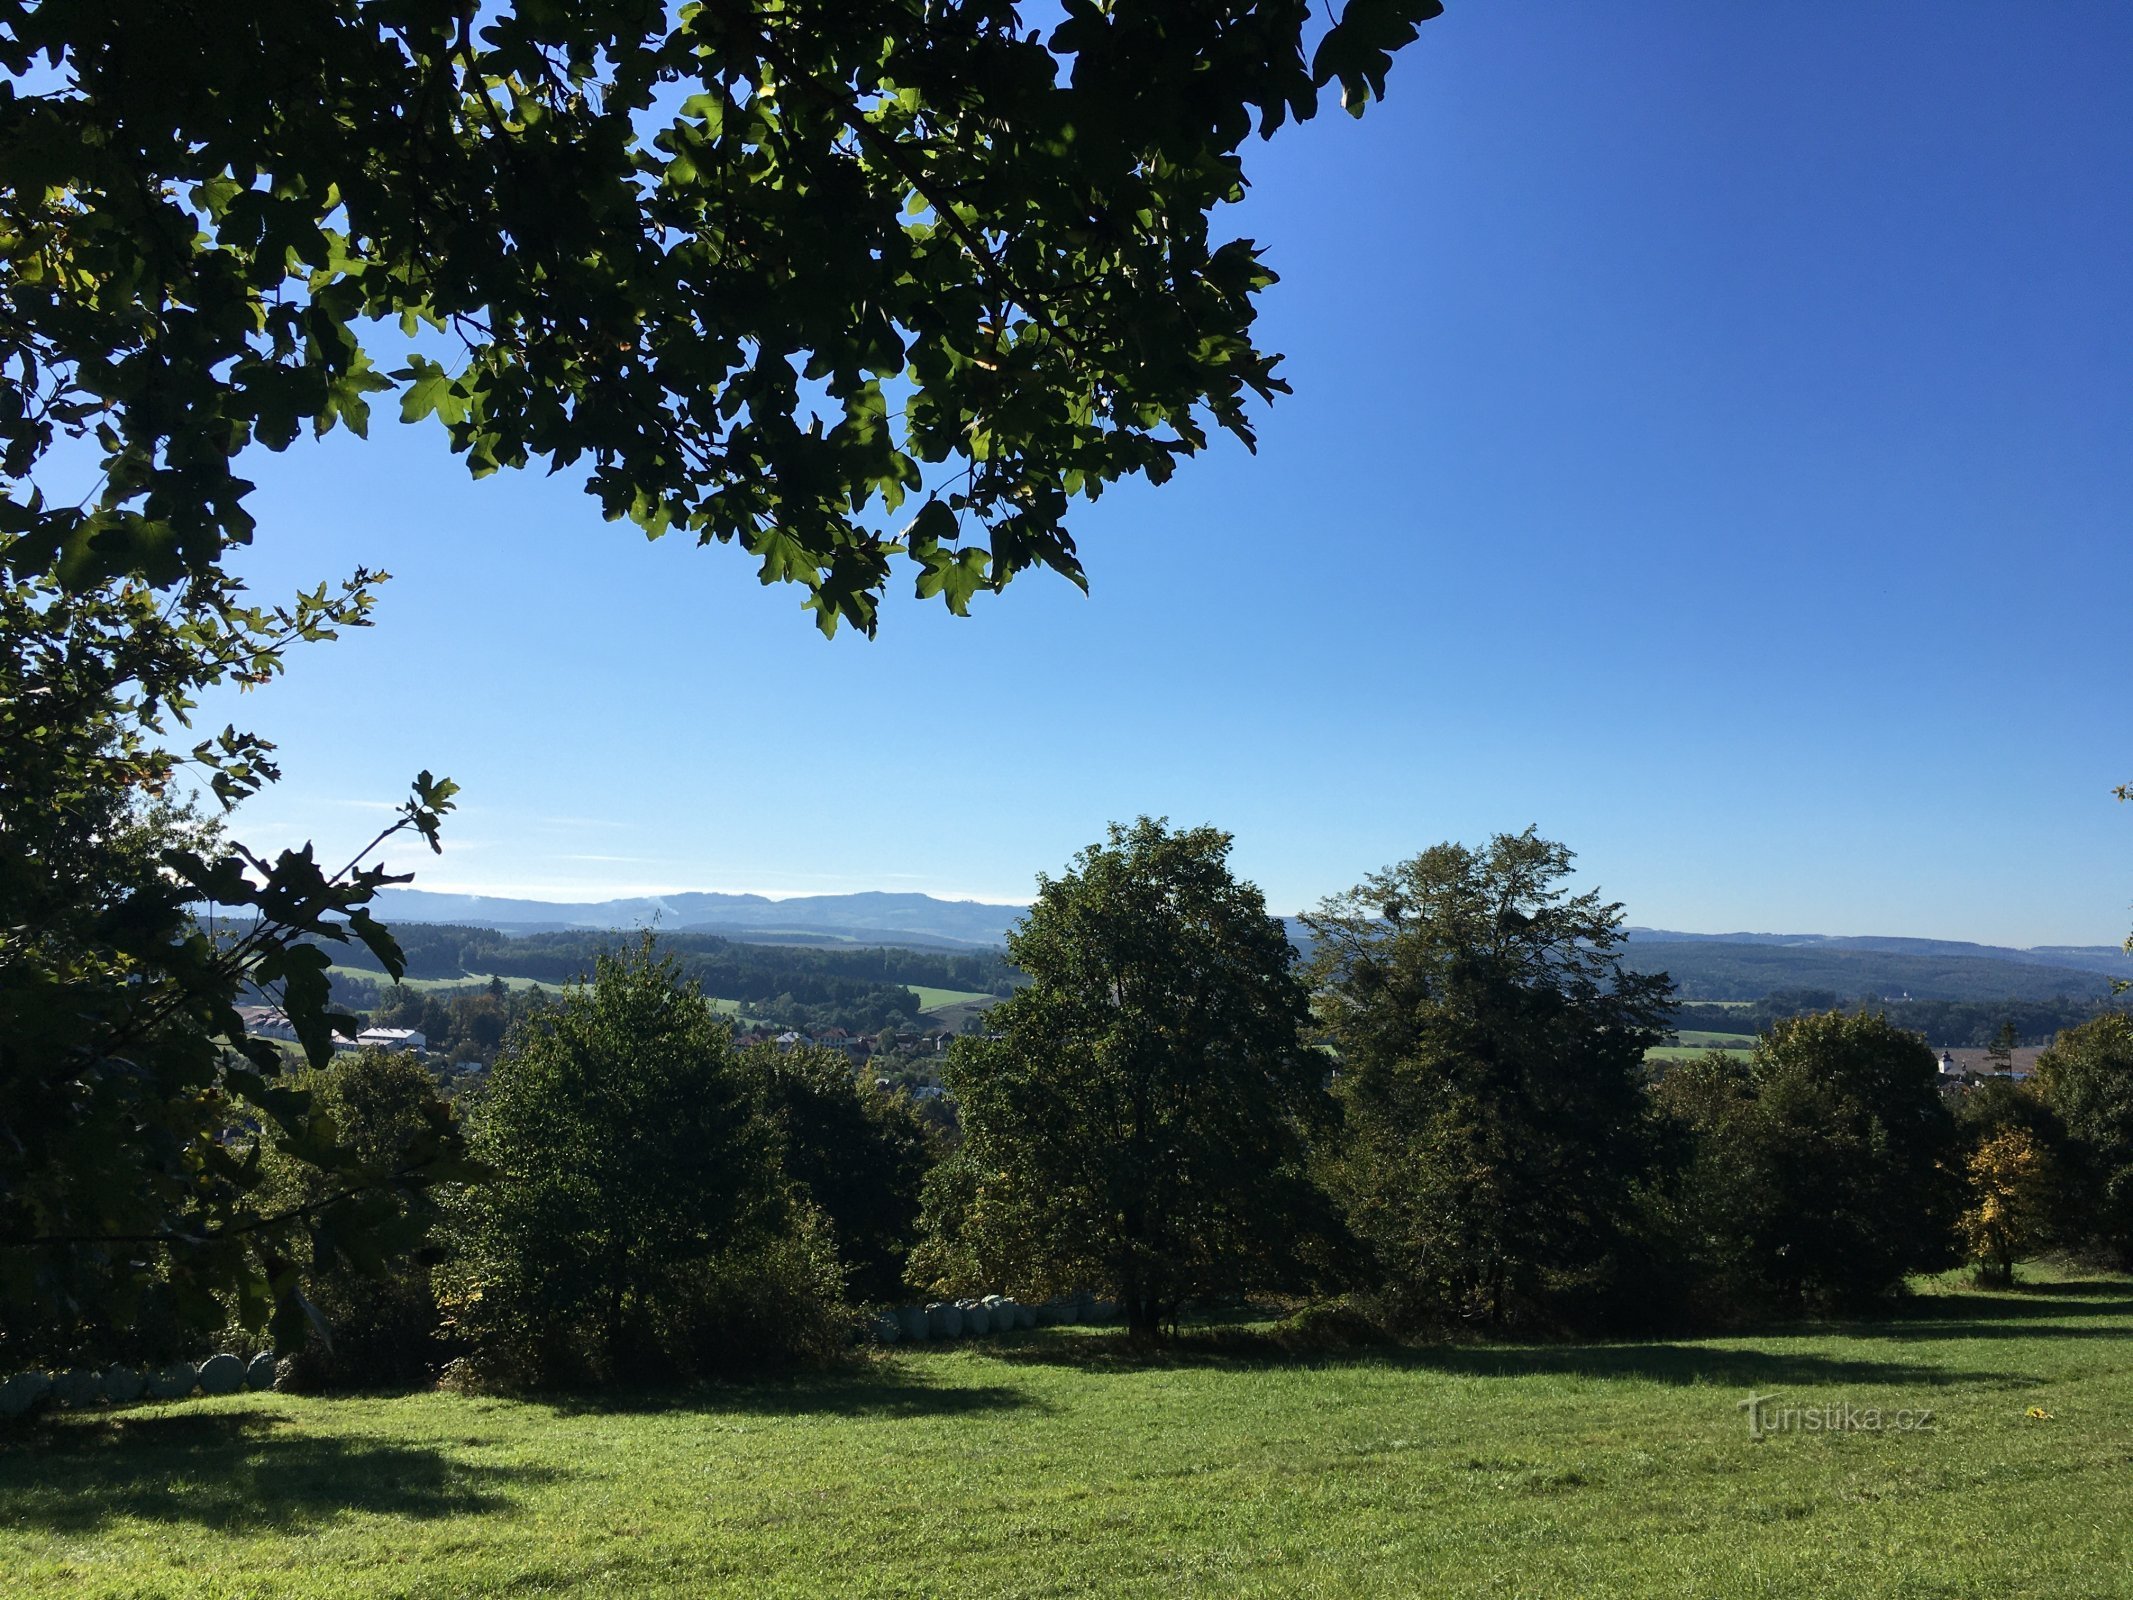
point(2027, 1311)
point(1644, 1361)
point(878, 1387)
point(236, 1472)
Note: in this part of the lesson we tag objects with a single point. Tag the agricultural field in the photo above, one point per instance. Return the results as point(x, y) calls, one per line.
point(1693, 1042)
point(466, 982)
point(1971, 1444)
point(933, 999)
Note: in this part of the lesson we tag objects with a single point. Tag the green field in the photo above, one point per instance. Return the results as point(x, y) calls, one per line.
point(480, 980)
point(1704, 1039)
point(1054, 1464)
point(932, 999)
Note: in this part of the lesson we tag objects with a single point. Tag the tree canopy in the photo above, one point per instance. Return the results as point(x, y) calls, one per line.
point(1491, 1047)
point(1137, 1119)
point(838, 283)
point(843, 284)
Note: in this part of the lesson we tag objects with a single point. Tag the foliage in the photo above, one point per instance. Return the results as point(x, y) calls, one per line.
point(862, 990)
point(2010, 1203)
point(134, 1112)
point(377, 1312)
point(2086, 1079)
point(1491, 1047)
point(1960, 1024)
point(635, 1184)
point(776, 273)
point(861, 1156)
point(1138, 1119)
point(1821, 1172)
point(463, 1027)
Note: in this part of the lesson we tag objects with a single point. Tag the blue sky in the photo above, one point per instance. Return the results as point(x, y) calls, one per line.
point(1712, 443)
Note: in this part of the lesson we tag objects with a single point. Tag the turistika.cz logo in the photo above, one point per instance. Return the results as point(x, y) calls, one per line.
point(1767, 1417)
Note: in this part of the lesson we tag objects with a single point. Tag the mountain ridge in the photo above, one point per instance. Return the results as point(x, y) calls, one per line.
point(1710, 965)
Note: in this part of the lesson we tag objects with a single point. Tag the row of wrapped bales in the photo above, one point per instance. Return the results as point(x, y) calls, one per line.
point(80, 1388)
point(982, 1317)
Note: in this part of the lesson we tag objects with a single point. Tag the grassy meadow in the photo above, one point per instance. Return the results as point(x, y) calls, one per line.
point(1054, 1463)
point(465, 983)
point(1691, 1043)
point(931, 998)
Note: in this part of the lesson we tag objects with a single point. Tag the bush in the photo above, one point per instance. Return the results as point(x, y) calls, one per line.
point(2086, 1080)
point(636, 1223)
point(377, 1316)
point(1816, 1176)
point(861, 1155)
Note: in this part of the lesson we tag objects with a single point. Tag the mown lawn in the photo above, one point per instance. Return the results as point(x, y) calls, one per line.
point(1051, 1464)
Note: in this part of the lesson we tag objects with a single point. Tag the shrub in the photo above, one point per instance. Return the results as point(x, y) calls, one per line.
point(2086, 1080)
point(861, 1156)
point(1816, 1176)
point(376, 1313)
point(636, 1223)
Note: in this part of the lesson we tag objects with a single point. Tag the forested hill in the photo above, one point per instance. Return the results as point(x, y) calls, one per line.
point(1749, 966)
point(870, 919)
point(861, 989)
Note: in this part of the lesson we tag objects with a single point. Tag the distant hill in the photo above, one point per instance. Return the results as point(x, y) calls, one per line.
point(1747, 966)
point(1705, 966)
point(917, 920)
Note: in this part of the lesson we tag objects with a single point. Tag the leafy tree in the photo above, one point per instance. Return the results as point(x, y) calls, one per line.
point(862, 1157)
point(2086, 1078)
point(1491, 1048)
point(2010, 1206)
point(635, 1193)
point(377, 1313)
point(836, 283)
point(134, 1112)
point(1823, 1171)
point(839, 284)
point(1138, 1122)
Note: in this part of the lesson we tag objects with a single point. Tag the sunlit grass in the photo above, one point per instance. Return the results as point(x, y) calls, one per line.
point(1056, 1464)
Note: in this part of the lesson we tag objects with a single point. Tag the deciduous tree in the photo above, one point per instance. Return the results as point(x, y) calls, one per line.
point(1491, 1044)
point(634, 1183)
point(838, 283)
point(2086, 1077)
point(1135, 1119)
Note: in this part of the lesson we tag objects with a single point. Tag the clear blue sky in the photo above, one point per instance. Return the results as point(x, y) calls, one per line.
point(1713, 442)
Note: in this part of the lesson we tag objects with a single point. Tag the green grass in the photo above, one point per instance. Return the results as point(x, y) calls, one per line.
point(1052, 1464)
point(1705, 1039)
point(1685, 1052)
point(933, 999)
point(470, 981)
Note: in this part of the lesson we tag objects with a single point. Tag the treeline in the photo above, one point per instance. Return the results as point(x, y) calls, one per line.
point(802, 987)
point(1440, 1123)
point(1958, 1023)
point(654, 1202)
point(1713, 969)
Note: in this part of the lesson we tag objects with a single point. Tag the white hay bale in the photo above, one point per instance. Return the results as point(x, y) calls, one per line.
point(912, 1319)
point(222, 1374)
point(977, 1319)
point(173, 1382)
point(121, 1385)
point(22, 1391)
point(259, 1371)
